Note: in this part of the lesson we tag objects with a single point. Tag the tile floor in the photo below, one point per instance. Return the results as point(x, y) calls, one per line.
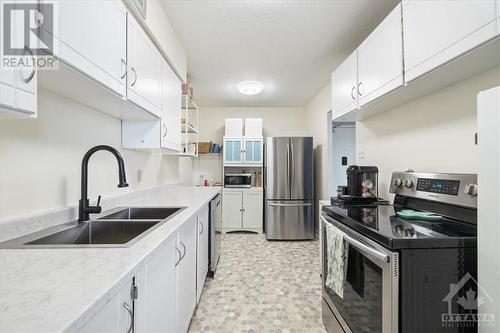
point(262, 286)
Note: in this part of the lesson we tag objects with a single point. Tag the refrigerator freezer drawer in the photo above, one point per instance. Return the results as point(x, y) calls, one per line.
point(289, 220)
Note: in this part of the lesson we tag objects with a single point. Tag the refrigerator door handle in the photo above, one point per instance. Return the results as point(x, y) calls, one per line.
point(288, 168)
point(292, 168)
point(274, 204)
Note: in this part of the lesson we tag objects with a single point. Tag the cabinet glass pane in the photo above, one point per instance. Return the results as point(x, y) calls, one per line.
point(229, 151)
point(249, 156)
point(257, 154)
point(236, 151)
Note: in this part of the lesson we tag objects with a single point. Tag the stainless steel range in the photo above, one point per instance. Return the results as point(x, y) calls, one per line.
point(401, 258)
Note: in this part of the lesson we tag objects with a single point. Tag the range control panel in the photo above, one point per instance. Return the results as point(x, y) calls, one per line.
point(457, 189)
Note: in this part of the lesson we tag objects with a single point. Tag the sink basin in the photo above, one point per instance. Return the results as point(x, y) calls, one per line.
point(120, 228)
point(142, 213)
point(97, 232)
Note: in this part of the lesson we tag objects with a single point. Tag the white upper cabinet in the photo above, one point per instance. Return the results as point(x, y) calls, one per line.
point(440, 30)
point(145, 68)
point(380, 59)
point(344, 87)
point(18, 86)
point(171, 111)
point(91, 37)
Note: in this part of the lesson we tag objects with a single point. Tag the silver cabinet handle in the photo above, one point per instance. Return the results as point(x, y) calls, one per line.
point(290, 204)
point(131, 313)
point(124, 64)
point(132, 70)
point(33, 71)
point(185, 251)
point(180, 257)
point(352, 92)
point(360, 85)
point(362, 247)
point(39, 18)
point(201, 225)
point(166, 130)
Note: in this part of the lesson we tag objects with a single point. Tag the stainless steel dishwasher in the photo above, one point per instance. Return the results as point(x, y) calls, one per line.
point(215, 239)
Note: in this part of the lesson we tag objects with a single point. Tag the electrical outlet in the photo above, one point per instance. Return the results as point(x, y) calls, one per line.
point(139, 175)
point(361, 155)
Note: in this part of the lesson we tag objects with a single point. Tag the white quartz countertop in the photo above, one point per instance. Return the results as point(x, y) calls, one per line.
point(52, 290)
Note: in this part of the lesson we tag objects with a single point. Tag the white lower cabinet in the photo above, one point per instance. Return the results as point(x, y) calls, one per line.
point(202, 250)
point(162, 296)
point(156, 304)
point(242, 209)
point(186, 274)
point(117, 315)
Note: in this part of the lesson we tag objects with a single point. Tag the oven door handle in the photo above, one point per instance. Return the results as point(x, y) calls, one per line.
point(362, 247)
point(365, 248)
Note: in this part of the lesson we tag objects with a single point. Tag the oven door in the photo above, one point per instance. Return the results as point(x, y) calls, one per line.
point(370, 302)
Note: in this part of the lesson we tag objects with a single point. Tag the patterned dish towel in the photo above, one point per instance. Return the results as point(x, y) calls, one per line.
point(337, 253)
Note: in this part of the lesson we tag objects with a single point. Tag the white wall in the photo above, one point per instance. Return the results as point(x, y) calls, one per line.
point(316, 112)
point(40, 159)
point(434, 133)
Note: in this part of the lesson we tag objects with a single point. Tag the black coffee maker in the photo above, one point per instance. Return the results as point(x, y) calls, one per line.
point(362, 184)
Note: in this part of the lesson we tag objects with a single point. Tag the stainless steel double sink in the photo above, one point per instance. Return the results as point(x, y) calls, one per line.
point(120, 228)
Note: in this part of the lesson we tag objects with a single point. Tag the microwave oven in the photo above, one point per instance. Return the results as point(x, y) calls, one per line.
point(236, 180)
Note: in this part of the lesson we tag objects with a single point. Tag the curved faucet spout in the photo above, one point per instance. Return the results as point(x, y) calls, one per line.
point(84, 208)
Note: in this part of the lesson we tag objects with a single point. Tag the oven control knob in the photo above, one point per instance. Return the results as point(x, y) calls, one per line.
point(408, 183)
point(471, 189)
point(397, 182)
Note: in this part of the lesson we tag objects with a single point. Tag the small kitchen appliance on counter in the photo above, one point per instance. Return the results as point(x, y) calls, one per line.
point(238, 180)
point(405, 274)
point(362, 185)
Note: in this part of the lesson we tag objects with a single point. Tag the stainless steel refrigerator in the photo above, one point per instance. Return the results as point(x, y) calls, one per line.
point(289, 188)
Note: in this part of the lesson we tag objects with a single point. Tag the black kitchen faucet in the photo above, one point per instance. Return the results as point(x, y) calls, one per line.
point(84, 208)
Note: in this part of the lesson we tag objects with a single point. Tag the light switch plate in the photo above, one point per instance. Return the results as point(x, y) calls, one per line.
point(361, 155)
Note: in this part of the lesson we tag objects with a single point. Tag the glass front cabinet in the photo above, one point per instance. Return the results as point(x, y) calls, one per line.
point(243, 150)
point(253, 150)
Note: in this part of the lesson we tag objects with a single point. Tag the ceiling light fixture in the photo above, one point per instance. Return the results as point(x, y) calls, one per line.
point(250, 87)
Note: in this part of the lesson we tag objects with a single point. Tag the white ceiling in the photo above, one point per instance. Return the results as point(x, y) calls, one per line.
point(290, 46)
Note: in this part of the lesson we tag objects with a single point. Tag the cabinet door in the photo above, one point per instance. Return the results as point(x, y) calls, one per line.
point(202, 250)
point(171, 110)
point(253, 151)
point(380, 59)
point(92, 38)
point(231, 209)
point(344, 84)
point(156, 304)
point(233, 151)
point(252, 210)
point(18, 86)
point(144, 69)
point(438, 31)
point(186, 274)
point(115, 316)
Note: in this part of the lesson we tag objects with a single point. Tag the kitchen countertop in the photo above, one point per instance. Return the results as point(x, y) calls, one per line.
point(52, 290)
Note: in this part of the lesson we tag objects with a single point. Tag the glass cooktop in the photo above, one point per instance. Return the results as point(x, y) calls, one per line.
point(383, 225)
